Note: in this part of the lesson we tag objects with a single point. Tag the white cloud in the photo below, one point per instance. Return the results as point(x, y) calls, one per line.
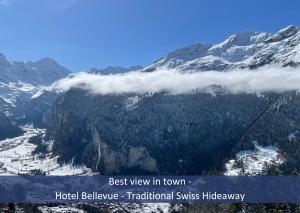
point(267, 79)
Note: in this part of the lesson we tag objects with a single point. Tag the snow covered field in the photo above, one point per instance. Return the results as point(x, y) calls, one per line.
point(61, 209)
point(134, 208)
point(253, 162)
point(16, 158)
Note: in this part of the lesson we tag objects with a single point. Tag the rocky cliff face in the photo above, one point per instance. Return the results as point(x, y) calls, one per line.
point(7, 129)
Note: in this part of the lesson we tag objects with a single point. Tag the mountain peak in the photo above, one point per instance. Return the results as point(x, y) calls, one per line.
point(3, 60)
point(47, 61)
point(243, 39)
point(284, 33)
point(190, 52)
point(248, 49)
point(288, 29)
point(42, 72)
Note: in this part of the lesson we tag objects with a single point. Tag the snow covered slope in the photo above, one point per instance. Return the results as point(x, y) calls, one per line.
point(253, 162)
point(17, 105)
point(19, 81)
point(17, 157)
point(241, 50)
point(11, 93)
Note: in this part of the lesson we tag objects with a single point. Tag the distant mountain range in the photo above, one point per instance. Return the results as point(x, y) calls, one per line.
point(239, 51)
point(42, 72)
point(20, 81)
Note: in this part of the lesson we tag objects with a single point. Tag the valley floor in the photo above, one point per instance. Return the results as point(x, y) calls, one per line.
point(17, 158)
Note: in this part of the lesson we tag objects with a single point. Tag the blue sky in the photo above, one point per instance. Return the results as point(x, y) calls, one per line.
point(81, 34)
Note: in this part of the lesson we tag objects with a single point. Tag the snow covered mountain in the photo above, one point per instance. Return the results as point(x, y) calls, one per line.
point(19, 81)
point(198, 132)
point(42, 72)
point(23, 101)
point(239, 51)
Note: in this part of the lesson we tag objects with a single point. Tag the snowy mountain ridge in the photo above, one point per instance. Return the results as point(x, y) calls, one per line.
point(42, 72)
point(239, 51)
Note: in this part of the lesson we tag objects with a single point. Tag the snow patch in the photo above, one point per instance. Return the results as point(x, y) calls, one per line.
point(143, 207)
point(121, 207)
point(131, 102)
point(253, 162)
point(60, 209)
point(38, 94)
point(9, 100)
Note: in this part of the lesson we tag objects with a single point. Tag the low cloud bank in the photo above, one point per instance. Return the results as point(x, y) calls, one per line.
point(268, 79)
